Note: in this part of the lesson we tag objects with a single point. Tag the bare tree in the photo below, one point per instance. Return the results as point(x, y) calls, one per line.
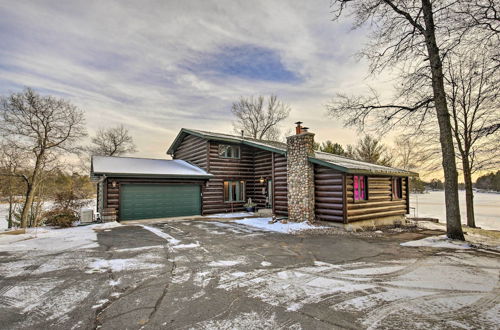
point(13, 181)
point(42, 126)
point(413, 36)
point(370, 149)
point(473, 96)
point(113, 141)
point(259, 121)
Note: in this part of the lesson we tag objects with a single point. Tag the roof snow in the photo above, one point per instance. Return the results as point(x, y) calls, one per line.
point(129, 166)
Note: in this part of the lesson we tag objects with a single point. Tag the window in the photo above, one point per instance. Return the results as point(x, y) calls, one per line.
point(228, 151)
point(360, 188)
point(397, 188)
point(234, 191)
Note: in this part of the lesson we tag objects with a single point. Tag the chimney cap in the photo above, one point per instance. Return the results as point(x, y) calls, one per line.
point(298, 123)
point(305, 127)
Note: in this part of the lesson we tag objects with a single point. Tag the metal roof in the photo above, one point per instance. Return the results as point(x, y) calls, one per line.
point(340, 163)
point(129, 166)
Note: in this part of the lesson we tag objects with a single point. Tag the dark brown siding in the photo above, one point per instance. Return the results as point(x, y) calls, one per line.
point(280, 185)
point(380, 202)
point(226, 169)
point(328, 187)
point(112, 198)
point(194, 150)
point(262, 169)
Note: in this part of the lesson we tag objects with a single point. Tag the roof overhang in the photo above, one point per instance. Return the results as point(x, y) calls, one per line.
point(360, 171)
point(157, 176)
point(183, 132)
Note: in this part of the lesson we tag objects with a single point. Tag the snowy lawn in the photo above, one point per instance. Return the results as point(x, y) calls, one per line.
point(54, 239)
point(263, 223)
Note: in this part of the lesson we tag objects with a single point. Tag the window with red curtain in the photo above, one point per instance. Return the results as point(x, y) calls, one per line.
point(397, 188)
point(359, 183)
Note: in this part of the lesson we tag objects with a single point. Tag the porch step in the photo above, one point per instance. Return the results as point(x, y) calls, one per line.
point(265, 212)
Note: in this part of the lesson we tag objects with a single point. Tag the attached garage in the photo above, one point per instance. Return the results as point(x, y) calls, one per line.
point(149, 201)
point(138, 188)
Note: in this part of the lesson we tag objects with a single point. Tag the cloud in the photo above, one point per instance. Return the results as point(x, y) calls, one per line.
point(157, 66)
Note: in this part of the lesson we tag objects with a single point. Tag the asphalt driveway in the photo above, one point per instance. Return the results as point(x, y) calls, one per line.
point(210, 274)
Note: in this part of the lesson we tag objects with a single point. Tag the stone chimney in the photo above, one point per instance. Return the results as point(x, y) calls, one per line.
point(300, 178)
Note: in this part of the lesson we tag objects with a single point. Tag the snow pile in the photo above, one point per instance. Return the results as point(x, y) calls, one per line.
point(230, 215)
point(438, 242)
point(263, 223)
point(54, 240)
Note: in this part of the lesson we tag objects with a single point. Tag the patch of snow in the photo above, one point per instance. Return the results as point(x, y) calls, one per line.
point(438, 242)
point(250, 320)
point(114, 282)
point(186, 246)
point(141, 248)
point(161, 234)
point(100, 303)
point(266, 264)
point(54, 240)
point(238, 274)
point(224, 263)
point(263, 223)
point(373, 271)
point(230, 215)
point(119, 265)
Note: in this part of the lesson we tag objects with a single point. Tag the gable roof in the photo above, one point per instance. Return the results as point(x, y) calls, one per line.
point(337, 162)
point(129, 166)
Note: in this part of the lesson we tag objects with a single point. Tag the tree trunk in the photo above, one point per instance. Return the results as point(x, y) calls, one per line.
point(30, 190)
point(9, 219)
point(469, 194)
point(453, 224)
point(30, 195)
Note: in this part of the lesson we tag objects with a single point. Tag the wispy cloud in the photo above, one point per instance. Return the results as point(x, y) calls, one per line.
point(157, 66)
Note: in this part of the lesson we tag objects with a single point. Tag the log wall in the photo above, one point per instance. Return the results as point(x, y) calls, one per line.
point(380, 202)
point(262, 169)
point(194, 150)
point(328, 188)
point(280, 204)
point(226, 169)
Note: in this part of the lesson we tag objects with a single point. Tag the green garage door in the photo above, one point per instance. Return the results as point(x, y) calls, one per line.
point(149, 201)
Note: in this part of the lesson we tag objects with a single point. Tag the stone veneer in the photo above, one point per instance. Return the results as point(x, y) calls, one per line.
point(300, 178)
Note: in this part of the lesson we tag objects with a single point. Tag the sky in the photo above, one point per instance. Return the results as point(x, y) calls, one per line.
point(159, 66)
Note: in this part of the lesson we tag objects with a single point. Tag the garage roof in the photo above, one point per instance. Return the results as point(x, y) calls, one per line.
point(129, 166)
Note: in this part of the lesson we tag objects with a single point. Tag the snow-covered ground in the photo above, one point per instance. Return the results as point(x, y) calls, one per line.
point(487, 207)
point(49, 239)
point(438, 242)
point(4, 211)
point(230, 215)
point(263, 223)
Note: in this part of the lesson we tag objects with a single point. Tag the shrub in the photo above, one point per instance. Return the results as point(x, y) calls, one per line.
point(60, 217)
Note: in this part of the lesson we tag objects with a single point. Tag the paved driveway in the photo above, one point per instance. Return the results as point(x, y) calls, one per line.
point(222, 275)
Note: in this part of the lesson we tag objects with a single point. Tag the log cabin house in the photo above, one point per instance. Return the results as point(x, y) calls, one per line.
point(215, 173)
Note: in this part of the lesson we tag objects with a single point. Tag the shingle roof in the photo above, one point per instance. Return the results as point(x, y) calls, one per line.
point(337, 162)
point(129, 166)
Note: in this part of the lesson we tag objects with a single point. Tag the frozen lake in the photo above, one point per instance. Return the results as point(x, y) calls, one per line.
point(487, 207)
